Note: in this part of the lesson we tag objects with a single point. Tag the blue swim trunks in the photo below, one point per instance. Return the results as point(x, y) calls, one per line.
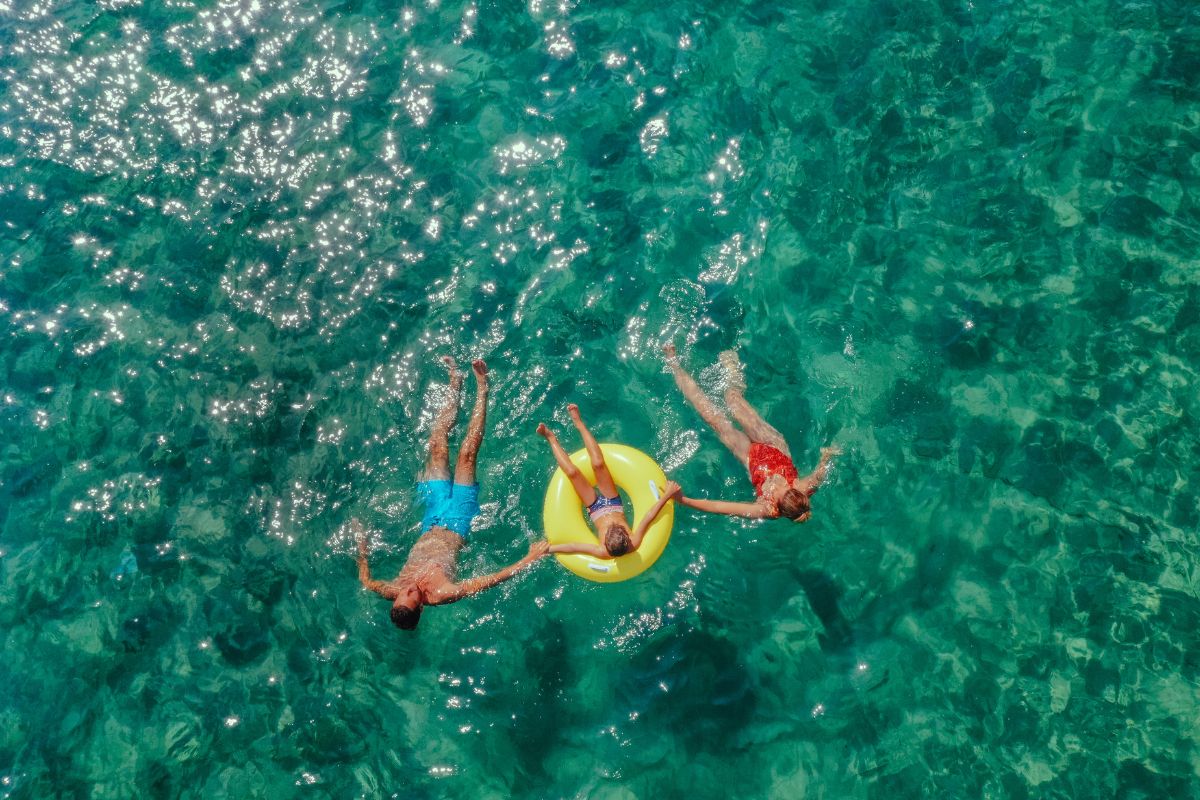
point(451, 505)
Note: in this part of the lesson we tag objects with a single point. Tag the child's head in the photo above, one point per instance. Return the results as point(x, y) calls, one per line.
point(794, 505)
point(617, 541)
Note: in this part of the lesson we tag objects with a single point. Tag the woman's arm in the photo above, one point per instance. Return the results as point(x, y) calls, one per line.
point(747, 510)
point(585, 548)
point(811, 482)
point(669, 491)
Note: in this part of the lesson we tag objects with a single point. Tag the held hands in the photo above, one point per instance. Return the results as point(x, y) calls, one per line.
point(831, 451)
point(674, 491)
point(537, 550)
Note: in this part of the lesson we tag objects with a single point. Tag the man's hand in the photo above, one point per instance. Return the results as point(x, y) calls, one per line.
point(360, 537)
point(537, 550)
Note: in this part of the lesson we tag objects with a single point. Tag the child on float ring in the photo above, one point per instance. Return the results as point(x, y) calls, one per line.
point(603, 502)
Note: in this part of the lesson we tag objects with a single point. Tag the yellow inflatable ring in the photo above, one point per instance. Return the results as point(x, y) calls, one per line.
point(639, 477)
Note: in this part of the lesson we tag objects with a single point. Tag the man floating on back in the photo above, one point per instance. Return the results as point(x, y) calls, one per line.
point(429, 577)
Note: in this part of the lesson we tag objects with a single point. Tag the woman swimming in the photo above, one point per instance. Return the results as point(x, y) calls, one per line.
point(762, 449)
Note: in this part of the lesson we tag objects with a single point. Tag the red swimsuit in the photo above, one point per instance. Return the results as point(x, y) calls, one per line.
point(765, 461)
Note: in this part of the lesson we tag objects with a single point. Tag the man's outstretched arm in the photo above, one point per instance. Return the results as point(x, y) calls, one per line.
point(364, 570)
point(452, 592)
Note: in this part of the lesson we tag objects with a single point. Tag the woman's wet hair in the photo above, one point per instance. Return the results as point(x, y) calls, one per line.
point(406, 618)
point(617, 541)
point(794, 504)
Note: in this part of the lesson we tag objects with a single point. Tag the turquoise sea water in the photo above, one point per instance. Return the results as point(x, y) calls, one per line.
point(958, 238)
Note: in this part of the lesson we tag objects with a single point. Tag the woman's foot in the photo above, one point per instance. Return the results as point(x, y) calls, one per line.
point(733, 368)
point(573, 410)
point(544, 431)
point(671, 356)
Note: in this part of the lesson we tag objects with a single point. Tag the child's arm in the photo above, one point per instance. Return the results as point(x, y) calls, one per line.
point(813, 481)
point(669, 491)
point(747, 510)
point(586, 548)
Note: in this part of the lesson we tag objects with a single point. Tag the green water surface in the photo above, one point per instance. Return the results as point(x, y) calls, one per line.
point(958, 238)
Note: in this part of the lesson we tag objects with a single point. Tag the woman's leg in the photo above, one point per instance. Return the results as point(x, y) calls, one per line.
point(582, 488)
point(751, 421)
point(437, 466)
point(730, 436)
point(468, 451)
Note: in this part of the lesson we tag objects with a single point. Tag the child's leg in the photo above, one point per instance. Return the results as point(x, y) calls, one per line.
point(604, 480)
point(582, 488)
point(468, 452)
point(751, 421)
point(437, 467)
point(730, 436)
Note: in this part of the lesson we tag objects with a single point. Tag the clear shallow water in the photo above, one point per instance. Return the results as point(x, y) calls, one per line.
point(959, 240)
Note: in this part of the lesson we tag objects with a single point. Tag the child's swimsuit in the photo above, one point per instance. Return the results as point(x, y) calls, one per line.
point(605, 505)
point(765, 461)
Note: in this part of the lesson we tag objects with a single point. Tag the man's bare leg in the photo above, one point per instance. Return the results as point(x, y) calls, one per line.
point(437, 467)
point(582, 488)
point(730, 436)
point(604, 479)
point(751, 421)
point(468, 452)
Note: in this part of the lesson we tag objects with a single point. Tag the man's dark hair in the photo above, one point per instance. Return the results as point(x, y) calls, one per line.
point(793, 504)
point(406, 618)
point(617, 541)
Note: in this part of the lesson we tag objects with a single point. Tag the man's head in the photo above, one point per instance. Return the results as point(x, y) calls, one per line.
point(794, 505)
point(617, 541)
point(406, 610)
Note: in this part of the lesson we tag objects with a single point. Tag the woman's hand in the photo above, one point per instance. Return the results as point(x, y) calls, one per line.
point(672, 490)
point(537, 550)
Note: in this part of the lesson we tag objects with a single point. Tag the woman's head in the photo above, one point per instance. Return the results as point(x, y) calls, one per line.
point(617, 541)
point(794, 505)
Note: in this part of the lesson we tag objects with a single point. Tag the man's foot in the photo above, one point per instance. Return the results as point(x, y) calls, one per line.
point(456, 378)
point(672, 356)
point(733, 368)
point(481, 377)
point(544, 431)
